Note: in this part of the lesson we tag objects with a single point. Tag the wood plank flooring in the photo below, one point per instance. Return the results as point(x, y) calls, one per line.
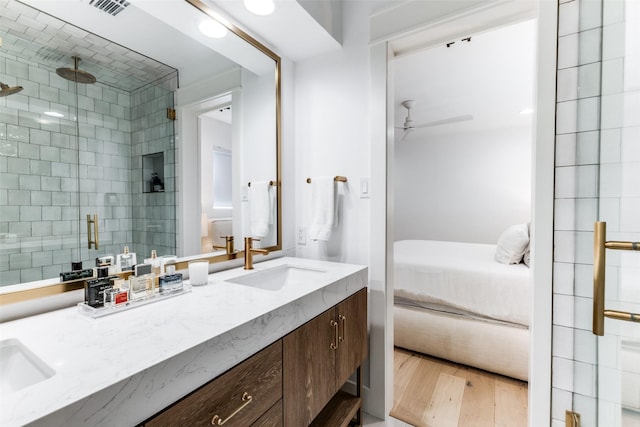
point(430, 392)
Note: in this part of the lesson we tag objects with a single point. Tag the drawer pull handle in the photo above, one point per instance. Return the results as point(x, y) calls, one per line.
point(343, 319)
point(334, 325)
point(218, 421)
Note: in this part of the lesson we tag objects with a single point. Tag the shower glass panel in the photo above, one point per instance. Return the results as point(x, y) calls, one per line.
point(69, 149)
point(618, 360)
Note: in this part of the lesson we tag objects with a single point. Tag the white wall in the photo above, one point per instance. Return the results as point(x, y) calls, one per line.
point(462, 187)
point(213, 133)
point(332, 137)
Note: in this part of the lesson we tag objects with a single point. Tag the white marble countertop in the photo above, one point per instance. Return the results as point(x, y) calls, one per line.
point(120, 369)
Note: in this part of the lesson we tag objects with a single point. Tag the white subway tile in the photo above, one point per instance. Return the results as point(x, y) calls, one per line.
point(563, 342)
point(589, 80)
point(586, 213)
point(561, 401)
point(630, 144)
point(588, 148)
point(565, 214)
point(589, 46)
point(563, 277)
point(590, 14)
point(587, 406)
point(612, 12)
point(567, 84)
point(568, 18)
point(563, 310)
point(610, 180)
point(610, 212)
point(609, 384)
point(567, 117)
point(630, 214)
point(585, 346)
point(583, 313)
point(613, 37)
point(587, 180)
point(565, 182)
point(562, 373)
point(631, 107)
point(588, 114)
point(567, 51)
point(564, 246)
point(585, 376)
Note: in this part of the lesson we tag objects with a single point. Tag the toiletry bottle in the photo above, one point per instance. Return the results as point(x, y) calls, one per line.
point(95, 288)
point(117, 294)
point(141, 283)
point(170, 282)
point(126, 260)
point(155, 263)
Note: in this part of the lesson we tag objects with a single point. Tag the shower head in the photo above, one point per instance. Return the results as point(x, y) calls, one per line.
point(6, 90)
point(75, 75)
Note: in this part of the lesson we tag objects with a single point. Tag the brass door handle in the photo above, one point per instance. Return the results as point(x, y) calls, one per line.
point(218, 421)
point(343, 320)
point(334, 325)
point(600, 245)
point(93, 221)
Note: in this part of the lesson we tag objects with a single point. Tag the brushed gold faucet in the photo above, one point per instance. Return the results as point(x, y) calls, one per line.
point(229, 249)
point(249, 251)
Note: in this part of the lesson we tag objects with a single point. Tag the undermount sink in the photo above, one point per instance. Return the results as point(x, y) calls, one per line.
point(276, 278)
point(20, 367)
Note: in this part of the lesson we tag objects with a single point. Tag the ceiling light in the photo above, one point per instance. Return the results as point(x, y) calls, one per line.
point(527, 111)
point(260, 7)
point(212, 29)
point(54, 114)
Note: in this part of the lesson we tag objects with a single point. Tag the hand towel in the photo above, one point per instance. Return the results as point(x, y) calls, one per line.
point(261, 208)
point(323, 206)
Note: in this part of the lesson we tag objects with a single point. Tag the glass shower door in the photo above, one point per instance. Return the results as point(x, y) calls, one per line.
point(617, 262)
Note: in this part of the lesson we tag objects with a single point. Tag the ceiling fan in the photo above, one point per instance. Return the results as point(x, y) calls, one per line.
point(409, 126)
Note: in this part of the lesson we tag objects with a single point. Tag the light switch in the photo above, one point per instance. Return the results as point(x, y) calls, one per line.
point(364, 188)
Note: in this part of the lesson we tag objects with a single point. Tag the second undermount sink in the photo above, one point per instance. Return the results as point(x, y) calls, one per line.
point(20, 367)
point(277, 278)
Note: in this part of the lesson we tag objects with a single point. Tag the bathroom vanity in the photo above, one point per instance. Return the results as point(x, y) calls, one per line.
point(269, 347)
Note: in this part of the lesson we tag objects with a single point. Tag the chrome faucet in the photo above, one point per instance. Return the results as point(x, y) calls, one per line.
point(249, 251)
point(228, 246)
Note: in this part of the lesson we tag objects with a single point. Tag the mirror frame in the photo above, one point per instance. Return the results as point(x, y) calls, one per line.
point(47, 290)
point(214, 258)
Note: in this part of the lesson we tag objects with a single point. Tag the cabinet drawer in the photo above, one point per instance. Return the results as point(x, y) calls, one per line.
point(273, 418)
point(260, 377)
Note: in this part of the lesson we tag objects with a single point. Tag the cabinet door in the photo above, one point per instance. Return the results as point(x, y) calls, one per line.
point(352, 325)
point(272, 418)
point(308, 369)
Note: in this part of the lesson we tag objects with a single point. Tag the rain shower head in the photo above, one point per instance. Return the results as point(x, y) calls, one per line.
point(75, 75)
point(6, 90)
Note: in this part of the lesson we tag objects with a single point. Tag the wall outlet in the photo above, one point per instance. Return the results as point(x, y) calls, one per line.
point(301, 235)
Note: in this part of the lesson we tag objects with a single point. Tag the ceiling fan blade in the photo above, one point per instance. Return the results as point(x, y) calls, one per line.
point(463, 118)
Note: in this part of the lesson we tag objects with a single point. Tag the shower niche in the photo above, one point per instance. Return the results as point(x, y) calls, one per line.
point(153, 173)
point(77, 134)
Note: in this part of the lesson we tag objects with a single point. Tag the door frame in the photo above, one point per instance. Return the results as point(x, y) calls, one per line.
point(381, 265)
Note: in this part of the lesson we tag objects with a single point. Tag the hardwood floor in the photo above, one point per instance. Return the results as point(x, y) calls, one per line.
point(430, 392)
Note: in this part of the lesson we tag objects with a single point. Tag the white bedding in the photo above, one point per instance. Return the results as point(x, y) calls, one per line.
point(464, 276)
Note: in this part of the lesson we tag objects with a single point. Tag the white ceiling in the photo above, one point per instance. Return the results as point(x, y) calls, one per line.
point(490, 77)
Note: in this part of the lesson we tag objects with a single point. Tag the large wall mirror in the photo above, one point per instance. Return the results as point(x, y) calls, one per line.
point(92, 158)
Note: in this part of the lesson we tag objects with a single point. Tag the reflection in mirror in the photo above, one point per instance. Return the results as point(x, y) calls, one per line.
point(86, 148)
point(88, 168)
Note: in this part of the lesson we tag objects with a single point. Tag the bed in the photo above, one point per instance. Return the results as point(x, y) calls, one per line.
point(456, 302)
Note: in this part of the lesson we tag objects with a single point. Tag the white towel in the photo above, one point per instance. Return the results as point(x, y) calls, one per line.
point(261, 201)
point(323, 207)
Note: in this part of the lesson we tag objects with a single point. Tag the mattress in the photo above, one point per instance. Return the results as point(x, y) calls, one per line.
point(461, 277)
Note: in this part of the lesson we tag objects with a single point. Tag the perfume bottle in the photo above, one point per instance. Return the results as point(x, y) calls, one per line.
point(170, 282)
point(141, 283)
point(95, 288)
point(117, 294)
point(126, 260)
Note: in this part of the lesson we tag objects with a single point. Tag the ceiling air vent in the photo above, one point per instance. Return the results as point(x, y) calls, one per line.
point(112, 7)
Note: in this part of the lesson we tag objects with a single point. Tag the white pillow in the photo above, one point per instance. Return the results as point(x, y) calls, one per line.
point(511, 244)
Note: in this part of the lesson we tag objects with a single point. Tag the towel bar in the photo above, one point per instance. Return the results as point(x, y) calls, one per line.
point(337, 178)
point(271, 183)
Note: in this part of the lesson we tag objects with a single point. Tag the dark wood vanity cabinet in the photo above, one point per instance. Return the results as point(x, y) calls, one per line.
point(294, 382)
point(246, 395)
point(318, 358)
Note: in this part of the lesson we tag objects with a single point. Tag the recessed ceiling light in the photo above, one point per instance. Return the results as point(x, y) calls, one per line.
point(54, 114)
point(527, 111)
point(212, 29)
point(260, 7)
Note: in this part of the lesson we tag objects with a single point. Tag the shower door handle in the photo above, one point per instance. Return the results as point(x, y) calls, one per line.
point(93, 221)
point(600, 245)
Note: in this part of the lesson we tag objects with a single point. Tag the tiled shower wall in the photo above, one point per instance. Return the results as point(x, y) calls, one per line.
point(39, 174)
point(154, 214)
point(597, 177)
